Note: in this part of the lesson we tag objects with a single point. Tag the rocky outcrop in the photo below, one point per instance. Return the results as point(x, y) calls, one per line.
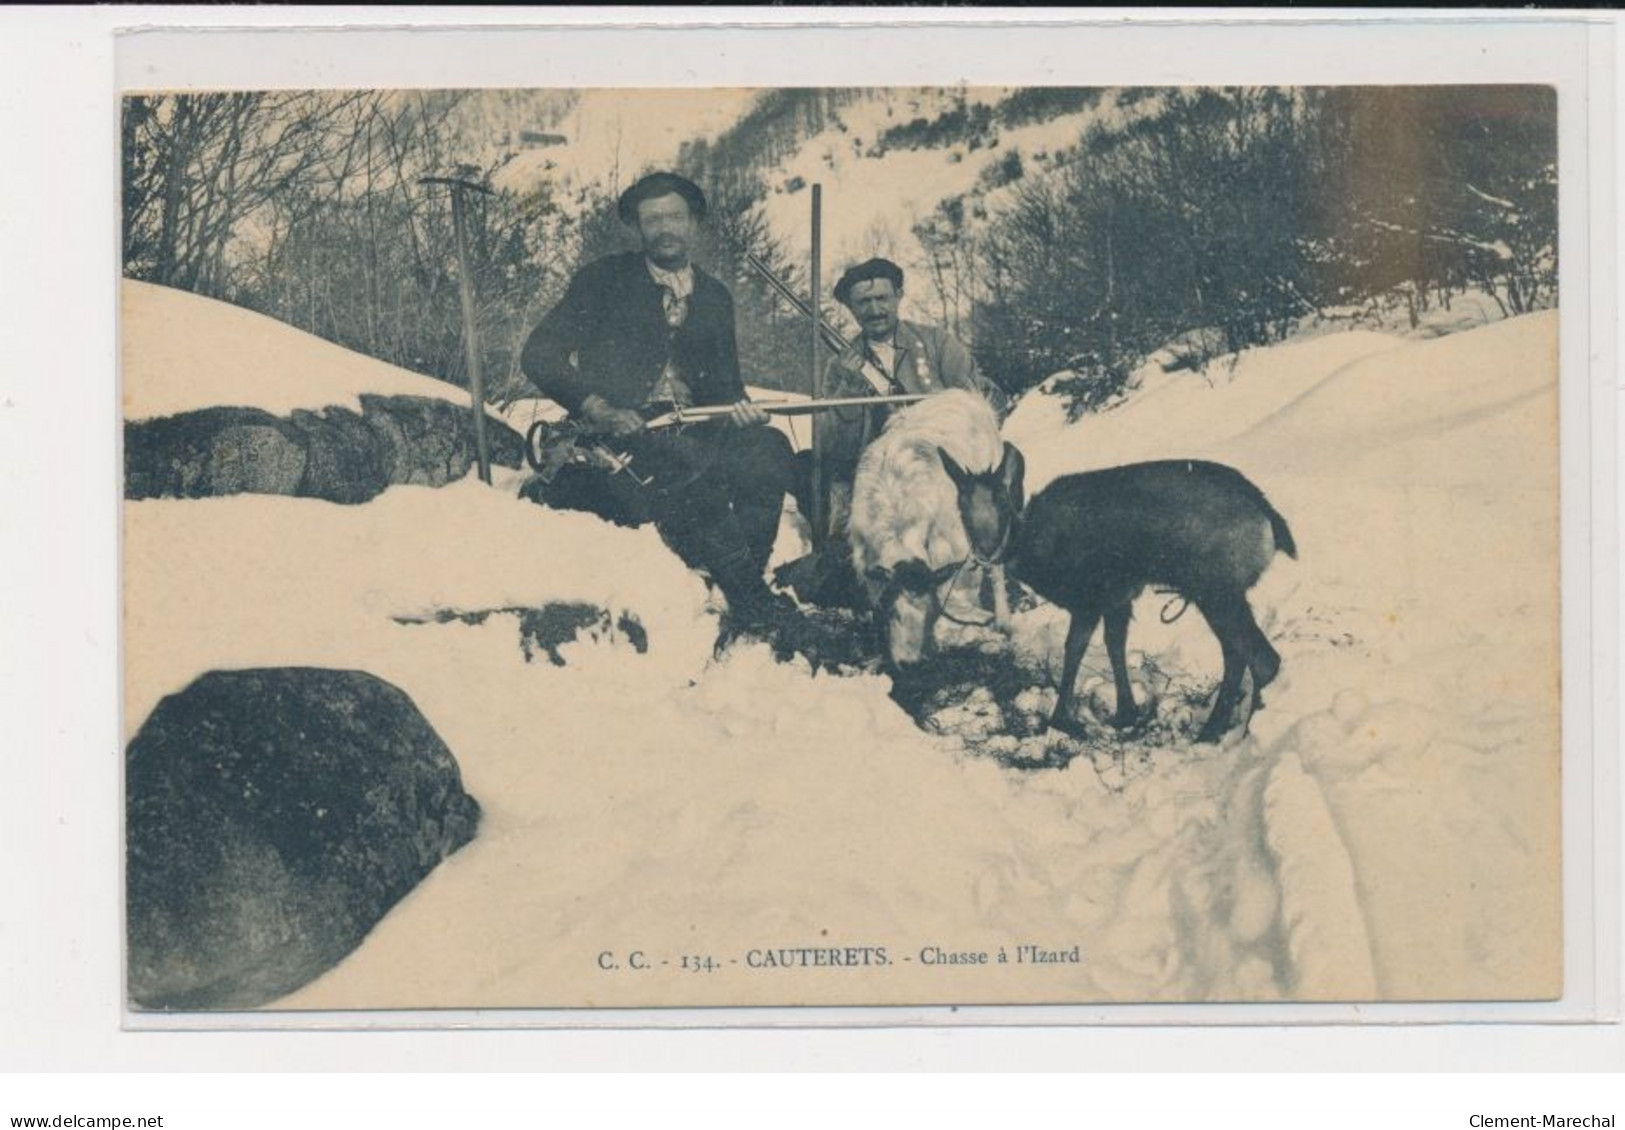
point(272, 817)
point(543, 631)
point(334, 454)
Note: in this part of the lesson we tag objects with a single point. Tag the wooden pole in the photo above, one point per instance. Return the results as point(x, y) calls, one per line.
point(820, 498)
point(476, 380)
point(471, 333)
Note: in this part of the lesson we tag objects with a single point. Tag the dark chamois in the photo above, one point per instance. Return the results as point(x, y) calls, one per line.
point(1091, 542)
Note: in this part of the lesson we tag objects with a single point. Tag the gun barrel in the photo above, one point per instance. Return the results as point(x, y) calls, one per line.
point(808, 407)
point(832, 337)
point(779, 408)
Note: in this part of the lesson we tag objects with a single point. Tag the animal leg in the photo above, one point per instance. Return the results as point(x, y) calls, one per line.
point(928, 643)
point(1001, 600)
point(1078, 633)
point(875, 594)
point(1221, 617)
point(879, 636)
point(1263, 660)
point(1117, 618)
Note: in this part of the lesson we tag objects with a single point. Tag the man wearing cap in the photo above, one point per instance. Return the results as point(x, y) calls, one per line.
point(889, 357)
point(639, 333)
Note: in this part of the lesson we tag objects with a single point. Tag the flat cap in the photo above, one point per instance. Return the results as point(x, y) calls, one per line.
point(865, 272)
point(656, 185)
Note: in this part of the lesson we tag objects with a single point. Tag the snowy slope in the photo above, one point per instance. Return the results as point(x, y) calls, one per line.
point(613, 135)
point(1418, 631)
point(1172, 414)
point(872, 202)
point(1429, 490)
point(191, 352)
point(1395, 803)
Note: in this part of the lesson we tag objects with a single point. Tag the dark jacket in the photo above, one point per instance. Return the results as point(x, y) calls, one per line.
point(608, 335)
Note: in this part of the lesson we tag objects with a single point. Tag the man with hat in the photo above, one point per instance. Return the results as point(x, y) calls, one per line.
point(636, 335)
point(890, 357)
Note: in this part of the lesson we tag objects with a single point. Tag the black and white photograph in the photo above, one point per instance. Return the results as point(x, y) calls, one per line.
point(629, 548)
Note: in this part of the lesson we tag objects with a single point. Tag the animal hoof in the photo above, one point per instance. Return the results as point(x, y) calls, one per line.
point(1212, 732)
point(1215, 735)
point(1133, 718)
point(1067, 726)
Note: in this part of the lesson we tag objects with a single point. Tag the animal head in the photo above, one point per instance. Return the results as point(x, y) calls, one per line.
point(905, 595)
point(989, 502)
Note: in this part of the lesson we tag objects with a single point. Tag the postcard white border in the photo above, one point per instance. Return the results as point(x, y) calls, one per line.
point(76, 661)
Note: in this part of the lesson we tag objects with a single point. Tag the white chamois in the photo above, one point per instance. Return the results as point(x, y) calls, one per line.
point(908, 540)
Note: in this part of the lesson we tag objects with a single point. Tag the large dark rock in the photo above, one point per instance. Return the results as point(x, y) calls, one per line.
point(421, 444)
point(213, 451)
point(334, 454)
point(343, 460)
point(272, 817)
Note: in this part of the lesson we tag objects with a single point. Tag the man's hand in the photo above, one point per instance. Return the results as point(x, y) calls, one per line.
point(744, 414)
point(603, 417)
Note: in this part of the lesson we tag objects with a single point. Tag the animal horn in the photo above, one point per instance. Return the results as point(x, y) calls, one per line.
point(1013, 473)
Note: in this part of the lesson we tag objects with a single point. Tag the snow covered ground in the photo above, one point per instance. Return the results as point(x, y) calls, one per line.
point(1418, 630)
point(183, 352)
point(1388, 830)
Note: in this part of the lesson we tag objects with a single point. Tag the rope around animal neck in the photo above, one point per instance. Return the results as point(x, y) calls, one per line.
point(952, 582)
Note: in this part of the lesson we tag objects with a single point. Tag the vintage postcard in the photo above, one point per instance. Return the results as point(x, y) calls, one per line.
point(606, 547)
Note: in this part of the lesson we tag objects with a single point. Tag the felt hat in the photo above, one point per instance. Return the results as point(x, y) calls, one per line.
point(866, 272)
point(656, 185)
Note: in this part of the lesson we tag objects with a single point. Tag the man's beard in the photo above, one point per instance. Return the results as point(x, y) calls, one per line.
point(668, 255)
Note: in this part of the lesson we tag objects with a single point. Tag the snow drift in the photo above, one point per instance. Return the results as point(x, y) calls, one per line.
point(183, 352)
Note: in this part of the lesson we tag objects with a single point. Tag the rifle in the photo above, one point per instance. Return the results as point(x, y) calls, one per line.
point(831, 336)
point(550, 447)
point(680, 416)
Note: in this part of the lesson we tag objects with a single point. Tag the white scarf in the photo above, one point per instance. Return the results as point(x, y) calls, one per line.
point(675, 289)
point(676, 286)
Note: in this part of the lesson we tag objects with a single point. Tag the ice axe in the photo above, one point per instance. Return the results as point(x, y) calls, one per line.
point(471, 339)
